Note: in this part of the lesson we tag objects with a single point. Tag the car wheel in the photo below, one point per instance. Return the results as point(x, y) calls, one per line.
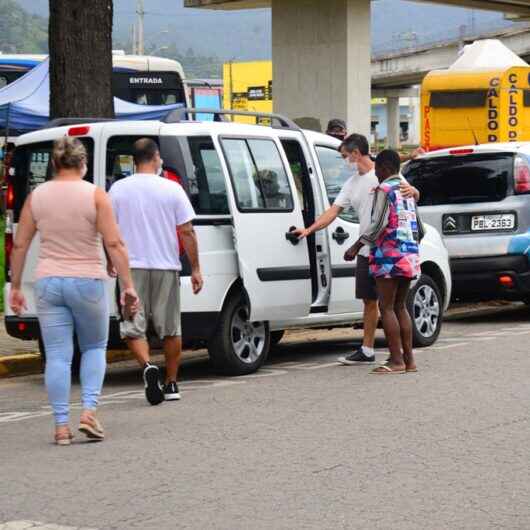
point(239, 347)
point(425, 306)
point(76, 360)
point(276, 337)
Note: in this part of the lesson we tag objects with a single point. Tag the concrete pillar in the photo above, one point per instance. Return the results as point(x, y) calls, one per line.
point(321, 60)
point(393, 129)
point(414, 121)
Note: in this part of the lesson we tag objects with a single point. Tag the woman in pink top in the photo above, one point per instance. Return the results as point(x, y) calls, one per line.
point(72, 216)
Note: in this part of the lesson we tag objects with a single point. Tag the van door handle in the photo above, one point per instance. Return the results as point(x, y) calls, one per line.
point(291, 236)
point(340, 235)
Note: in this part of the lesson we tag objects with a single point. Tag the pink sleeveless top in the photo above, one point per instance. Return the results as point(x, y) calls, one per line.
point(65, 215)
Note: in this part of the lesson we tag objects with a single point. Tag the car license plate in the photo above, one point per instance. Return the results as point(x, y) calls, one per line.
point(504, 221)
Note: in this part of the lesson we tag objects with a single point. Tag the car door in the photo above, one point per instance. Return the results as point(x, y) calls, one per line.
point(343, 232)
point(273, 264)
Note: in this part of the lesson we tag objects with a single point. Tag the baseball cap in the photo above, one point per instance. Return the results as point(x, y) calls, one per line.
point(336, 124)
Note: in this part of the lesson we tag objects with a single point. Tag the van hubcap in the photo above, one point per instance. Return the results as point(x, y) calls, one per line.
point(248, 338)
point(426, 311)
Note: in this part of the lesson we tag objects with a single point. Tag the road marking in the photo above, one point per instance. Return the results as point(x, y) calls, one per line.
point(320, 366)
point(35, 525)
point(124, 396)
point(448, 346)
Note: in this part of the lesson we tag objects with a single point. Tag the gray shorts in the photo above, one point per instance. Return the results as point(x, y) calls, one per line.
point(159, 293)
point(365, 288)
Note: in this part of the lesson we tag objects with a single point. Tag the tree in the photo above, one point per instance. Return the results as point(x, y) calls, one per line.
point(80, 43)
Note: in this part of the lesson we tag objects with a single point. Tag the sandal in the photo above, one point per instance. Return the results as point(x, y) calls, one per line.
point(90, 426)
point(385, 370)
point(64, 437)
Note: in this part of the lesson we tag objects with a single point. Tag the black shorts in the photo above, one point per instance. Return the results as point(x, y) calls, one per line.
point(365, 288)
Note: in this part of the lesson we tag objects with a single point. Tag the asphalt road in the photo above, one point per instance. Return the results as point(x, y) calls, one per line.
point(303, 444)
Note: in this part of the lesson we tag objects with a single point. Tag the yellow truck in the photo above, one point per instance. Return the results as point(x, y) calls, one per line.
point(475, 107)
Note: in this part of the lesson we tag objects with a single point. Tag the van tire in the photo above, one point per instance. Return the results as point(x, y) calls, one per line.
point(424, 302)
point(223, 355)
point(276, 337)
point(76, 360)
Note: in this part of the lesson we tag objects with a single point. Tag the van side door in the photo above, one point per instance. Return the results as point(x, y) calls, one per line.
point(273, 264)
point(343, 232)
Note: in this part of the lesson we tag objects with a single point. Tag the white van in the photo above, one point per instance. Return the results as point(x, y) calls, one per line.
point(250, 186)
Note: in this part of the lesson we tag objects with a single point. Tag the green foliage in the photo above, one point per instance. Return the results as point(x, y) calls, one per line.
point(21, 32)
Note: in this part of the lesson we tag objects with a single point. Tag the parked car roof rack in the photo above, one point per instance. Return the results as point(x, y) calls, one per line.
point(60, 122)
point(277, 120)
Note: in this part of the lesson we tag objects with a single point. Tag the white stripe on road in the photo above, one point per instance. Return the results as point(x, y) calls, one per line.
point(35, 525)
point(448, 346)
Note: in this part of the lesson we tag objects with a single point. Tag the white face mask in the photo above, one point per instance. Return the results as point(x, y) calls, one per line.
point(84, 171)
point(352, 166)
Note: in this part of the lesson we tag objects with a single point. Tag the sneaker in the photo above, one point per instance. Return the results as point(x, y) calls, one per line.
point(357, 357)
point(171, 391)
point(153, 388)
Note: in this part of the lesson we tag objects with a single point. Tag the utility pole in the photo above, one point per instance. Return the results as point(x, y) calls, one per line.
point(133, 39)
point(141, 14)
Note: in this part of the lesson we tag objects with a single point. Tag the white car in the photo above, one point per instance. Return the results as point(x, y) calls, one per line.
point(250, 186)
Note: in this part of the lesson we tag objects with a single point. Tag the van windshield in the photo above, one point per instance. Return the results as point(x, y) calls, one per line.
point(481, 177)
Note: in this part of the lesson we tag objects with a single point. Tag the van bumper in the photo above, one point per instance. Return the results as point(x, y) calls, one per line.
point(196, 328)
point(479, 278)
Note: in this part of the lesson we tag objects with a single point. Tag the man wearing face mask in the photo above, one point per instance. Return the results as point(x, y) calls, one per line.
point(337, 129)
point(357, 193)
point(149, 209)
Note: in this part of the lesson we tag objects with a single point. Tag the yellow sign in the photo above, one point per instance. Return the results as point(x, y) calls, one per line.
point(248, 86)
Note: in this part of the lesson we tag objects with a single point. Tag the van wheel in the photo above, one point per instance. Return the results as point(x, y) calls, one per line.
point(239, 347)
point(425, 306)
point(276, 337)
point(76, 360)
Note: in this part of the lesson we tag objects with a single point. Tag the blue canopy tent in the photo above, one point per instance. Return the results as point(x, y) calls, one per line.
point(25, 104)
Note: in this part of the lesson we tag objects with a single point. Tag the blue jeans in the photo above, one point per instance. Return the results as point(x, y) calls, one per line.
point(65, 306)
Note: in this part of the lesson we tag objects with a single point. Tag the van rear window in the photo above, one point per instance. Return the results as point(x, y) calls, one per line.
point(461, 179)
point(32, 165)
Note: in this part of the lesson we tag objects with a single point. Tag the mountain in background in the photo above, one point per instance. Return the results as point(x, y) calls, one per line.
point(208, 38)
point(21, 30)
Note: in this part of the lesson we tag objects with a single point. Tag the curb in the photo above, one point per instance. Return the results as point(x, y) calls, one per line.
point(478, 311)
point(23, 364)
point(30, 363)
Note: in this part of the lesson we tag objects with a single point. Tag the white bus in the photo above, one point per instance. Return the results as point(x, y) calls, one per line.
point(137, 78)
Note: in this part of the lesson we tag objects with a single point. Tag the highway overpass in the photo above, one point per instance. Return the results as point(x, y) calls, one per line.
point(408, 67)
point(321, 51)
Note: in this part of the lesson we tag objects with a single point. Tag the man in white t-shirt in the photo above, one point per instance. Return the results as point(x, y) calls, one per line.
point(149, 210)
point(357, 193)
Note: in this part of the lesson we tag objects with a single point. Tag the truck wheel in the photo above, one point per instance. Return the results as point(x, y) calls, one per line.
point(276, 337)
point(238, 347)
point(76, 360)
point(425, 306)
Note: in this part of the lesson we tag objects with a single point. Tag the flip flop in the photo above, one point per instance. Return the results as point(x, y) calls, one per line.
point(386, 370)
point(411, 370)
point(92, 429)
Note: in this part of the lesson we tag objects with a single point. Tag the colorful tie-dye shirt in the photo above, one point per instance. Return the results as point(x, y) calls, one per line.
point(394, 234)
